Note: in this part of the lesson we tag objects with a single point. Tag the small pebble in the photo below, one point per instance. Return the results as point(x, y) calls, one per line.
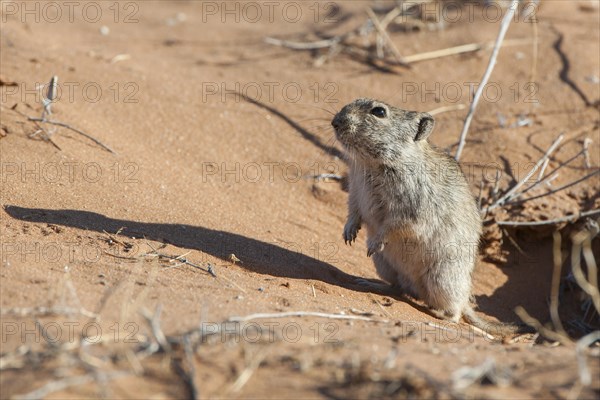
point(592, 79)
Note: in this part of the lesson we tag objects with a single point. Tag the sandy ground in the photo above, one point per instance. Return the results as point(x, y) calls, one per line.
point(206, 172)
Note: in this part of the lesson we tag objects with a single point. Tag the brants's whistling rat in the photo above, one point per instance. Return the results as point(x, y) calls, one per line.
point(422, 222)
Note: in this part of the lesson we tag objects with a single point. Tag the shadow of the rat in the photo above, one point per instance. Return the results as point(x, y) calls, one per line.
point(258, 256)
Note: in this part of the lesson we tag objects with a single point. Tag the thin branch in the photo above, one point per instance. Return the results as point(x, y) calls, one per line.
point(589, 287)
point(568, 218)
point(511, 193)
point(381, 30)
point(461, 49)
point(545, 178)
point(390, 16)
point(116, 240)
point(182, 260)
point(179, 258)
point(247, 373)
point(453, 331)
point(514, 243)
point(584, 373)
point(429, 55)
point(47, 136)
point(334, 48)
point(534, 56)
point(47, 103)
point(319, 44)
point(486, 76)
point(541, 174)
point(534, 323)
point(592, 267)
point(55, 386)
point(586, 154)
point(46, 312)
point(568, 185)
point(154, 322)
point(557, 258)
point(302, 314)
point(64, 125)
point(332, 43)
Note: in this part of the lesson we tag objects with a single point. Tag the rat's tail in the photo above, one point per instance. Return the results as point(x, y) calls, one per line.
point(497, 329)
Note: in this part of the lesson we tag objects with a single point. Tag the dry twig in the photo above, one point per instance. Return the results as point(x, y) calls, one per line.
point(467, 376)
point(568, 218)
point(512, 193)
point(550, 175)
point(558, 189)
point(586, 154)
point(534, 323)
point(209, 270)
point(589, 286)
point(302, 314)
point(319, 44)
point(65, 383)
point(247, 373)
point(38, 312)
point(154, 323)
point(486, 76)
point(80, 132)
point(386, 38)
point(582, 344)
point(534, 55)
point(557, 258)
point(336, 44)
point(47, 103)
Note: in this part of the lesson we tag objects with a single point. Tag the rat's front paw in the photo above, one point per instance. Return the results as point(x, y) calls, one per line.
point(350, 231)
point(375, 245)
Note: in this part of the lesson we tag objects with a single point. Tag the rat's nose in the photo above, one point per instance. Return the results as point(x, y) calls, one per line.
point(336, 122)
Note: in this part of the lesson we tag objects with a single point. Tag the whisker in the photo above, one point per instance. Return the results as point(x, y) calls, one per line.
point(329, 145)
point(331, 141)
point(323, 127)
point(314, 119)
point(316, 106)
point(333, 111)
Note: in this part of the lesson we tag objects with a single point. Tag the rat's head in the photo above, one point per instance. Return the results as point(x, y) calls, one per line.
point(375, 132)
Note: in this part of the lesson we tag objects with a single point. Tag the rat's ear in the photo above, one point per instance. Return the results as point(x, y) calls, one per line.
point(425, 126)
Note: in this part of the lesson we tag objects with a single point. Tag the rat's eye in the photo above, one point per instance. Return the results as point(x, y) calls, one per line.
point(379, 112)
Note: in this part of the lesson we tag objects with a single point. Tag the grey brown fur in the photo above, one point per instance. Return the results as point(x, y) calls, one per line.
point(423, 225)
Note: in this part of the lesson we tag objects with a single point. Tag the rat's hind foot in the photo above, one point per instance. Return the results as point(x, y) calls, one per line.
point(374, 246)
point(445, 315)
